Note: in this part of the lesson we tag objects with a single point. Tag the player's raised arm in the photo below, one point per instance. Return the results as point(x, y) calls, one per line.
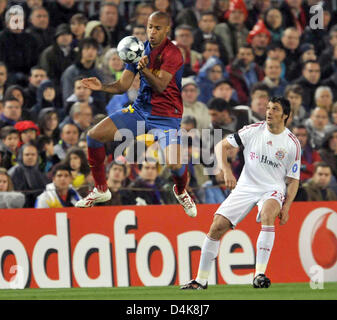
point(120, 86)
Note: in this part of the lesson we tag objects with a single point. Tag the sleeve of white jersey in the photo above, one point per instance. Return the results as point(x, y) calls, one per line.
point(294, 167)
point(242, 137)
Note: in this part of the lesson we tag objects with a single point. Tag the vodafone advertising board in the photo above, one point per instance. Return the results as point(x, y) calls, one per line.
point(155, 246)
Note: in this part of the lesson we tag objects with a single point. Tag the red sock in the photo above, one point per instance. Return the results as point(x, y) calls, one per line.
point(180, 181)
point(96, 157)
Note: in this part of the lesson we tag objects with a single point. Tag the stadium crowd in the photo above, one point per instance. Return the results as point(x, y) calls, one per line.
point(237, 54)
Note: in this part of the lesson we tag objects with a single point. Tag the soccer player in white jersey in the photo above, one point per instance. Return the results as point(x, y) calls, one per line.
point(269, 179)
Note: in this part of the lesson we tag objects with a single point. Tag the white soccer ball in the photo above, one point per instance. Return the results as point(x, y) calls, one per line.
point(130, 49)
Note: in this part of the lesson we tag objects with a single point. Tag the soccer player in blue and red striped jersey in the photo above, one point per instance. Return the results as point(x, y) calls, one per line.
point(158, 105)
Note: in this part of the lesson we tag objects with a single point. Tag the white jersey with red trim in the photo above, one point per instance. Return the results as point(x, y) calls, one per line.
point(269, 158)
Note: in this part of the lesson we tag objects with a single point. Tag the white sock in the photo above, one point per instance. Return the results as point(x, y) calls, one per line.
point(209, 252)
point(264, 245)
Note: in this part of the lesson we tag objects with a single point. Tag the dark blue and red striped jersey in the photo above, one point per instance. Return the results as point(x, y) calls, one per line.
point(169, 103)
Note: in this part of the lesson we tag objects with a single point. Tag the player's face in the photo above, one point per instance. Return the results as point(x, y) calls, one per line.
point(157, 30)
point(274, 114)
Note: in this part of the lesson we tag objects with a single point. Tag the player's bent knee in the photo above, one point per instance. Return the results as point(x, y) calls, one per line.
point(219, 227)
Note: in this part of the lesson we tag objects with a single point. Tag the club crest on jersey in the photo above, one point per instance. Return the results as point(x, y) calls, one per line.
point(280, 154)
point(270, 143)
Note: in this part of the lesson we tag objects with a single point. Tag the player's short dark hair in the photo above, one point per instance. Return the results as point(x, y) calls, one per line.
point(61, 166)
point(284, 103)
point(219, 104)
point(321, 164)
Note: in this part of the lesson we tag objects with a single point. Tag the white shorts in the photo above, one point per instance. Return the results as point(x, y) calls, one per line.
point(241, 201)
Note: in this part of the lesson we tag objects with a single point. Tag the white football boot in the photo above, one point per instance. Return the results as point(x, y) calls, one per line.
point(93, 197)
point(187, 202)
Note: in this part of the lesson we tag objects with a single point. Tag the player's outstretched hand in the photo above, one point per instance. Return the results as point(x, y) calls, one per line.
point(92, 83)
point(230, 180)
point(284, 215)
point(143, 62)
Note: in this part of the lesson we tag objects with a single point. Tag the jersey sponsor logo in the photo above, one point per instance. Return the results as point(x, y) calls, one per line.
point(294, 168)
point(264, 159)
point(280, 154)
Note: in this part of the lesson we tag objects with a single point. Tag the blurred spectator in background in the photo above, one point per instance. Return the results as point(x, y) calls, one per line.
point(233, 32)
point(58, 56)
point(309, 81)
point(205, 31)
point(61, 11)
point(18, 49)
point(221, 8)
point(328, 57)
point(257, 11)
point(317, 126)
point(3, 7)
point(10, 138)
point(184, 39)
point(36, 76)
point(3, 80)
point(294, 14)
point(59, 193)
point(276, 51)
point(328, 150)
point(324, 98)
point(294, 94)
point(334, 114)
point(78, 163)
point(28, 131)
point(45, 98)
point(69, 138)
point(110, 20)
point(308, 156)
point(48, 158)
point(272, 70)
point(317, 188)
point(210, 49)
point(80, 115)
point(39, 28)
point(9, 198)
point(95, 29)
point(48, 122)
point(141, 14)
point(273, 20)
point(112, 66)
point(193, 107)
point(18, 93)
point(259, 38)
point(259, 101)
point(77, 26)
point(244, 72)
point(84, 66)
point(223, 89)
point(139, 31)
point(11, 112)
point(26, 175)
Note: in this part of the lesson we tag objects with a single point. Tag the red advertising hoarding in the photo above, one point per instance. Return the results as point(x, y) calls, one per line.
point(156, 245)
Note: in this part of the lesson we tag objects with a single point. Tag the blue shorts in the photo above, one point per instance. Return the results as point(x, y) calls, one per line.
point(132, 120)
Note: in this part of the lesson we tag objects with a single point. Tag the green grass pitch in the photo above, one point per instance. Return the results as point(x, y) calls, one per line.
point(278, 291)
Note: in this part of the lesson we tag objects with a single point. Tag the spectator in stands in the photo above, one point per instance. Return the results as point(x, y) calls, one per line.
point(205, 31)
point(39, 28)
point(273, 20)
point(294, 14)
point(184, 39)
point(110, 20)
point(48, 122)
point(294, 93)
point(210, 73)
point(334, 114)
point(77, 26)
point(80, 115)
point(328, 150)
point(9, 198)
point(95, 29)
point(45, 97)
point(272, 70)
point(244, 72)
point(18, 93)
point(26, 175)
point(9, 146)
point(275, 50)
point(192, 15)
point(193, 107)
point(141, 14)
point(328, 57)
point(223, 89)
point(309, 81)
point(291, 41)
point(11, 112)
point(257, 12)
point(220, 8)
point(48, 158)
point(28, 131)
point(324, 98)
point(3, 7)
point(69, 138)
point(61, 11)
point(85, 66)
point(18, 49)
point(308, 156)
point(233, 32)
point(3, 80)
point(317, 188)
point(78, 163)
point(259, 101)
point(36, 76)
point(317, 126)
point(112, 66)
point(58, 56)
point(59, 193)
point(139, 31)
point(27, 7)
point(259, 38)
